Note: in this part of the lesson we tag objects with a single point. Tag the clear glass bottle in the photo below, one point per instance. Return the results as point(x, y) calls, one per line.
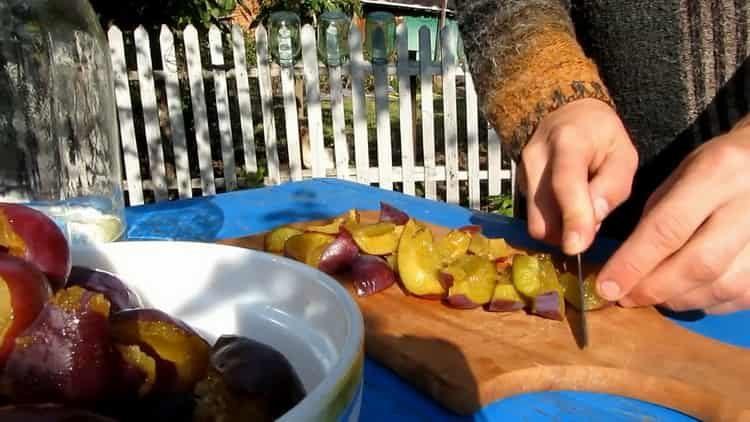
point(59, 146)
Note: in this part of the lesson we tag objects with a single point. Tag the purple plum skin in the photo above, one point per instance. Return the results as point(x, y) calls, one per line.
point(371, 274)
point(259, 372)
point(391, 214)
point(66, 355)
point(119, 295)
point(339, 255)
point(547, 305)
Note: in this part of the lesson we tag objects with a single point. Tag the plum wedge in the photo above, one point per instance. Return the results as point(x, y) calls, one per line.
point(65, 355)
point(119, 295)
point(391, 214)
point(24, 290)
point(418, 263)
point(549, 301)
point(473, 280)
point(180, 354)
point(339, 254)
point(378, 238)
point(371, 274)
point(591, 299)
point(29, 234)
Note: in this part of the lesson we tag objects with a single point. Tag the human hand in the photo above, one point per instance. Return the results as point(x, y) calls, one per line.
point(691, 249)
point(576, 168)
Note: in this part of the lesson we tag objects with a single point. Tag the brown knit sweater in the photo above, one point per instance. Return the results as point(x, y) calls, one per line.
point(677, 72)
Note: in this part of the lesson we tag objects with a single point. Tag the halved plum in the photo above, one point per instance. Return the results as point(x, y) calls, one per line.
point(377, 239)
point(371, 274)
point(473, 281)
point(66, 354)
point(491, 248)
point(332, 226)
point(136, 371)
point(339, 254)
point(453, 245)
point(275, 240)
point(181, 355)
point(505, 298)
point(308, 247)
point(391, 214)
point(418, 263)
point(24, 290)
point(249, 380)
point(31, 235)
point(117, 293)
point(527, 275)
point(549, 301)
point(591, 299)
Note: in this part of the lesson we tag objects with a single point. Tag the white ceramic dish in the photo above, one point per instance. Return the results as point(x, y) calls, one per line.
point(305, 314)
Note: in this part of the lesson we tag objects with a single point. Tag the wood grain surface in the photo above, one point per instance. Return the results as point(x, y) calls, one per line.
point(466, 359)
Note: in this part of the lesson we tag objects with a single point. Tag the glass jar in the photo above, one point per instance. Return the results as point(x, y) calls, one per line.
point(380, 36)
point(284, 30)
point(333, 38)
point(59, 146)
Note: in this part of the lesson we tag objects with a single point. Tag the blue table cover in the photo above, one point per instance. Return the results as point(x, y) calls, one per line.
point(386, 396)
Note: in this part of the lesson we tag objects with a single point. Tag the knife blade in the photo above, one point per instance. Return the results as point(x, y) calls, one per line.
point(583, 328)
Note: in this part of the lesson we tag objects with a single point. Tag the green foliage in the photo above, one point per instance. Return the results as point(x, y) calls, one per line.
point(246, 180)
point(309, 10)
point(205, 12)
point(202, 13)
point(502, 204)
point(129, 14)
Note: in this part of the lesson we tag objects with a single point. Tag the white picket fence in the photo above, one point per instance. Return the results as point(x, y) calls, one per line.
point(427, 172)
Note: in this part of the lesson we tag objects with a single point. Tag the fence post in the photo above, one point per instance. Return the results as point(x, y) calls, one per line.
point(494, 163)
point(338, 120)
point(222, 108)
point(405, 123)
point(359, 106)
point(472, 140)
point(312, 94)
point(450, 119)
point(266, 99)
point(176, 119)
point(243, 98)
point(200, 115)
point(125, 115)
point(291, 121)
point(150, 112)
point(428, 117)
point(383, 122)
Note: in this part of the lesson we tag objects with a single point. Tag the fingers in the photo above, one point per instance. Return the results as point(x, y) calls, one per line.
point(726, 290)
point(739, 304)
point(664, 229)
point(569, 179)
point(712, 254)
point(612, 183)
point(543, 215)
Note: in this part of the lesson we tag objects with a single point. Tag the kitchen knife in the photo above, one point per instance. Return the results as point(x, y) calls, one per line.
point(583, 329)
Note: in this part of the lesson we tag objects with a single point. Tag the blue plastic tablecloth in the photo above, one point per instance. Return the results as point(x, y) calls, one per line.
point(387, 397)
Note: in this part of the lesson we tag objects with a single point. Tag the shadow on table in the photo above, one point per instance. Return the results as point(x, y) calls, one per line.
point(189, 220)
point(306, 206)
point(436, 368)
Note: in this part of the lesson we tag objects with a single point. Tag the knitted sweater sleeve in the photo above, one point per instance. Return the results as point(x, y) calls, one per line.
point(526, 62)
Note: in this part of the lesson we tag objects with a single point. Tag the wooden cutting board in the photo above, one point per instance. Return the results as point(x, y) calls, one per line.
point(466, 359)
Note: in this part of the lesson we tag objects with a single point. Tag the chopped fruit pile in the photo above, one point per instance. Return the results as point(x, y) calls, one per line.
point(464, 268)
point(76, 343)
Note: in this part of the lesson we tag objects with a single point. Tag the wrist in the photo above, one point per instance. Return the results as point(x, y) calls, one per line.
point(547, 78)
